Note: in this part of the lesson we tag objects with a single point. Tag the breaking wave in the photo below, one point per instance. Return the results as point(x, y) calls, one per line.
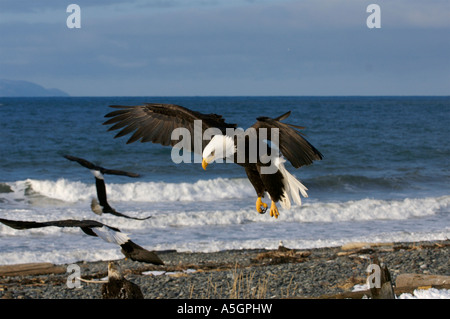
point(164, 202)
point(74, 191)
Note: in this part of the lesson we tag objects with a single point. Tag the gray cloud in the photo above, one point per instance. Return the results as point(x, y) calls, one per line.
point(237, 47)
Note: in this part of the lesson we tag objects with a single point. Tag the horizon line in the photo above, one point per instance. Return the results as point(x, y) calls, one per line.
point(219, 95)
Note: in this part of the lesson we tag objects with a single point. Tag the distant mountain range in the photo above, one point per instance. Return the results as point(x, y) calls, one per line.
point(13, 88)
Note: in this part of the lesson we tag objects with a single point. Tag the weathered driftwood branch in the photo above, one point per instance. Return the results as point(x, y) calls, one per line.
point(360, 294)
point(383, 286)
point(31, 269)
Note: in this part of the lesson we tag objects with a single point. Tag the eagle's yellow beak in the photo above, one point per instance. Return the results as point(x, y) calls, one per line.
point(204, 163)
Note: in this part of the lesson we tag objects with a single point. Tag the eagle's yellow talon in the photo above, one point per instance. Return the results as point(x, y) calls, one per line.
point(260, 203)
point(274, 210)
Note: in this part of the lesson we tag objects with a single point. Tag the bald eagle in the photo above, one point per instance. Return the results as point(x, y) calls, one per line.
point(118, 287)
point(94, 228)
point(103, 207)
point(154, 122)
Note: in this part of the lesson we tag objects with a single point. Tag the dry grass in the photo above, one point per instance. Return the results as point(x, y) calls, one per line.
point(242, 285)
point(290, 289)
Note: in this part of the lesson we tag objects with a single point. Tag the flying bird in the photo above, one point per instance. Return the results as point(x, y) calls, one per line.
point(153, 122)
point(118, 287)
point(94, 228)
point(103, 207)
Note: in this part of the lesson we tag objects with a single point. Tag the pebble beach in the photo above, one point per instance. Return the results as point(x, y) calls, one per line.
point(331, 272)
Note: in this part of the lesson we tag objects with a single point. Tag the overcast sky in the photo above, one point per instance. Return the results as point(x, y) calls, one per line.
point(228, 47)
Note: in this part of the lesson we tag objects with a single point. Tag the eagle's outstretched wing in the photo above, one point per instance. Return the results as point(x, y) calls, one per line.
point(97, 229)
point(100, 186)
point(155, 122)
point(102, 170)
point(292, 145)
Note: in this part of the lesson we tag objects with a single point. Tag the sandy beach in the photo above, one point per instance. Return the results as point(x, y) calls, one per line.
point(332, 272)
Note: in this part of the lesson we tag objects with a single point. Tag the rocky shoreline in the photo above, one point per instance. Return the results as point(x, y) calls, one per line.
point(237, 274)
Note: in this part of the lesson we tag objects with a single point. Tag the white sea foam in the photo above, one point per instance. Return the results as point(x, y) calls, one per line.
point(132, 196)
point(61, 250)
point(431, 293)
point(73, 191)
point(369, 209)
point(210, 214)
point(61, 189)
point(361, 210)
point(271, 243)
point(216, 215)
point(59, 256)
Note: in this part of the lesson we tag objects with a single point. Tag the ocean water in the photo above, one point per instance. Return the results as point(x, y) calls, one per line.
point(385, 176)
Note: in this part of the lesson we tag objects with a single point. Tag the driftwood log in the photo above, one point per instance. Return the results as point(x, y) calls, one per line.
point(421, 280)
point(383, 287)
point(31, 269)
point(405, 283)
point(366, 293)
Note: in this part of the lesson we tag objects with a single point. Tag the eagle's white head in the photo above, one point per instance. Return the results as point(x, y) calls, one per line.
point(220, 147)
point(114, 271)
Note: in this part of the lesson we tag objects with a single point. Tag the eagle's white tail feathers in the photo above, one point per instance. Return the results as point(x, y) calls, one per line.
point(95, 207)
point(111, 236)
point(292, 186)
